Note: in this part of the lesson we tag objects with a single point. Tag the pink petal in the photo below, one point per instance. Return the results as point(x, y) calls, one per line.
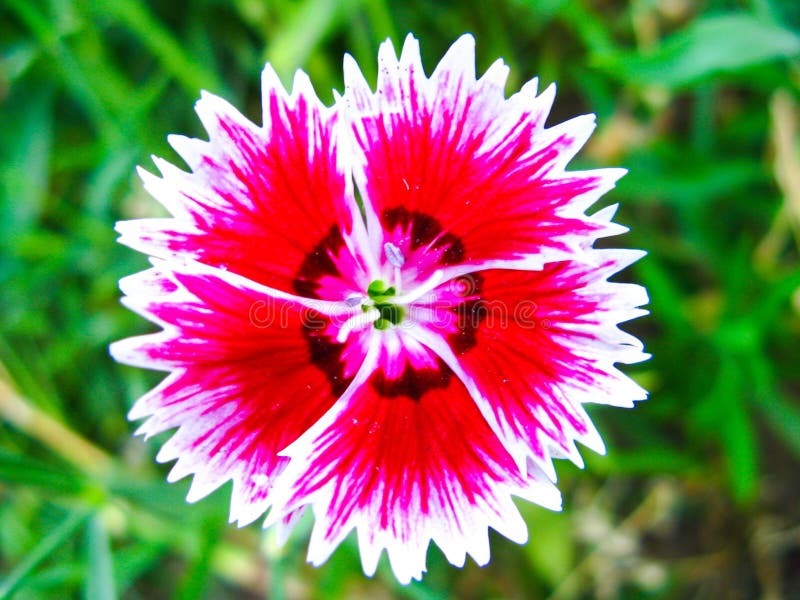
point(250, 373)
point(265, 202)
point(405, 458)
point(453, 149)
point(545, 342)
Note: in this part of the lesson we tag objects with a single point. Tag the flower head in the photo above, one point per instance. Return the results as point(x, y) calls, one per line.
point(390, 311)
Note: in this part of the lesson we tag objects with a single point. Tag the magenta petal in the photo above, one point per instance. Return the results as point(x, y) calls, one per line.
point(545, 342)
point(406, 458)
point(258, 200)
point(243, 385)
point(455, 150)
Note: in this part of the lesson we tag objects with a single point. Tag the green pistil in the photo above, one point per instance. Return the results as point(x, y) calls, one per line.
point(391, 314)
point(378, 291)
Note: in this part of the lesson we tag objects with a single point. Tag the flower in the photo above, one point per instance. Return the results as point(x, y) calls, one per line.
point(389, 310)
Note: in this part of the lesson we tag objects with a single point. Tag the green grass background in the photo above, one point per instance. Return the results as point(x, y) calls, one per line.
point(698, 496)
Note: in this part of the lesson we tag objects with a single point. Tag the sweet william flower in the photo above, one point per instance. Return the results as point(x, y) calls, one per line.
point(390, 310)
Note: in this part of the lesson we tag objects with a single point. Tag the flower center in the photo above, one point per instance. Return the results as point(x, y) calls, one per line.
point(409, 287)
point(379, 297)
point(384, 305)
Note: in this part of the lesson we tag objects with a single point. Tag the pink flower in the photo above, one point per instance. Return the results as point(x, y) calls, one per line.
point(390, 310)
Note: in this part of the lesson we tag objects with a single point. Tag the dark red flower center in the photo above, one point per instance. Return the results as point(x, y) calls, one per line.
point(416, 246)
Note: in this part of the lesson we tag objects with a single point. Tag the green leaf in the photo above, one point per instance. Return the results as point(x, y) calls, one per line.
point(25, 150)
point(551, 549)
point(647, 461)
point(136, 16)
point(108, 176)
point(16, 60)
point(784, 419)
point(73, 74)
point(196, 579)
point(735, 429)
point(380, 19)
point(711, 45)
point(312, 20)
point(43, 549)
point(134, 560)
point(341, 567)
point(23, 470)
point(687, 179)
point(99, 563)
point(781, 416)
point(52, 581)
point(666, 300)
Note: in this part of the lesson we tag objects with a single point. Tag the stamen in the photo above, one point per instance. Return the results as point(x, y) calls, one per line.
point(396, 259)
point(357, 322)
point(420, 291)
point(393, 255)
point(397, 279)
point(354, 299)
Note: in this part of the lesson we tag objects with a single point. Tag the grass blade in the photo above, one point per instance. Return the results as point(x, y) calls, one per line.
point(50, 542)
point(99, 563)
point(157, 38)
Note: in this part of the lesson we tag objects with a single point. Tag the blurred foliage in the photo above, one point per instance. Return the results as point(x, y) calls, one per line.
point(699, 100)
